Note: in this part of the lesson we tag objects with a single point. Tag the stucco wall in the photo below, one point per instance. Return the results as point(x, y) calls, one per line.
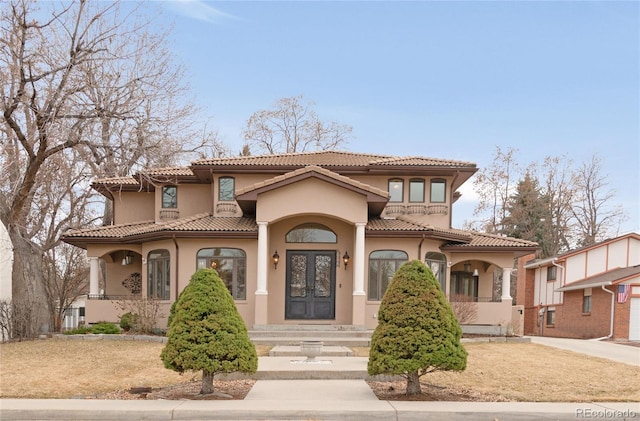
point(133, 207)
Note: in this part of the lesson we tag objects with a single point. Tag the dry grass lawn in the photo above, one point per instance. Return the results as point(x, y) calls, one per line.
point(498, 371)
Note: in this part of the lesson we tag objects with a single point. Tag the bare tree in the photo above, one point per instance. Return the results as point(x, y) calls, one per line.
point(89, 85)
point(495, 184)
point(595, 217)
point(293, 126)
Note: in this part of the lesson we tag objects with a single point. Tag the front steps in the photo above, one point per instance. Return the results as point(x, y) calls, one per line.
point(330, 335)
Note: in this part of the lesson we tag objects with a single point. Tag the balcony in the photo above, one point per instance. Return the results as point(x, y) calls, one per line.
point(167, 214)
point(392, 210)
point(228, 208)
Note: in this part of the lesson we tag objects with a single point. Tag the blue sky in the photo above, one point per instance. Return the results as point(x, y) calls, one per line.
point(442, 79)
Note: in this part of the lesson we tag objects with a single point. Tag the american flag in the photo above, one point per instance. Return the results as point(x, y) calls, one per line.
point(623, 293)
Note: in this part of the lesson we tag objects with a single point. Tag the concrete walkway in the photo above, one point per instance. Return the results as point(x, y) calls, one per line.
point(604, 349)
point(292, 391)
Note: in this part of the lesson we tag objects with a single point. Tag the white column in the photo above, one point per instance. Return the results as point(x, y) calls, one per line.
point(359, 260)
point(94, 276)
point(506, 283)
point(262, 259)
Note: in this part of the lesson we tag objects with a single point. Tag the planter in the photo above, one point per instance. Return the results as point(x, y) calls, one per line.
point(311, 349)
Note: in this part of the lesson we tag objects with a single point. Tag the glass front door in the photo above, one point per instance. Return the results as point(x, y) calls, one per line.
point(311, 282)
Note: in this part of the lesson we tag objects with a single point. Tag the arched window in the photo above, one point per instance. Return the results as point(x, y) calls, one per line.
point(158, 275)
point(437, 262)
point(311, 233)
point(231, 265)
point(396, 190)
point(383, 264)
point(226, 189)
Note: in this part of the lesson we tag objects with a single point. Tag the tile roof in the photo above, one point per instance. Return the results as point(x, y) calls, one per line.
point(332, 159)
point(407, 224)
point(607, 278)
point(479, 239)
point(314, 169)
point(116, 181)
point(196, 223)
point(168, 171)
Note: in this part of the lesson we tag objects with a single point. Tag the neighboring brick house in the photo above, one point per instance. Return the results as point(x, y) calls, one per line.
point(302, 238)
point(591, 292)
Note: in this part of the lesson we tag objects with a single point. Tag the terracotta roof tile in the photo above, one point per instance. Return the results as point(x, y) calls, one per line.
point(319, 170)
point(168, 171)
point(479, 239)
point(332, 159)
point(403, 223)
point(201, 222)
point(116, 181)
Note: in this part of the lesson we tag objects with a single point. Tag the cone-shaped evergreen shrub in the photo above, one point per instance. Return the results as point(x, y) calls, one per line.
point(417, 332)
point(207, 333)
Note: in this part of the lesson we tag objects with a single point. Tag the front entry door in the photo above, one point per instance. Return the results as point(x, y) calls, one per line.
point(311, 284)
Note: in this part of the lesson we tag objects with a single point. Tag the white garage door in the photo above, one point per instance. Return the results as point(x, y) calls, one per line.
point(634, 320)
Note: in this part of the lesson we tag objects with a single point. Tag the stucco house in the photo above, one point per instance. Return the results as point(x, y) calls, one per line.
point(300, 238)
point(591, 292)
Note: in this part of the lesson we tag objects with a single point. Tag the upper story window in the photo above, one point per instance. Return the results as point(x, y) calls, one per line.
point(551, 273)
point(383, 264)
point(416, 190)
point(231, 265)
point(438, 190)
point(158, 274)
point(396, 187)
point(311, 233)
point(437, 262)
point(169, 197)
point(226, 189)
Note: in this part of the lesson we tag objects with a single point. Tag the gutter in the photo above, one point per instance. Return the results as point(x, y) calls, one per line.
point(613, 298)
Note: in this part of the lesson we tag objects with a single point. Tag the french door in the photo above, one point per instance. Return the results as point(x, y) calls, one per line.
point(311, 284)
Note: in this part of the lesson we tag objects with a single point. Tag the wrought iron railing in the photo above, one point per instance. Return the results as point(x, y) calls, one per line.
point(112, 297)
point(466, 298)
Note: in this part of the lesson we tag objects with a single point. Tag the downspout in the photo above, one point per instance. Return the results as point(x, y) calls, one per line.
point(177, 263)
point(613, 302)
point(420, 248)
point(212, 193)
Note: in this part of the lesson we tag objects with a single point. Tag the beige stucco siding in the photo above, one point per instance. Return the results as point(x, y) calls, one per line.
point(133, 207)
point(192, 199)
point(311, 197)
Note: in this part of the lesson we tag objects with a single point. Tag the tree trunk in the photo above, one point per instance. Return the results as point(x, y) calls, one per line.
point(207, 383)
point(413, 383)
point(29, 298)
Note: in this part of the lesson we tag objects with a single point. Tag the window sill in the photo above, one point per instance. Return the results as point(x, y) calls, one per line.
point(586, 314)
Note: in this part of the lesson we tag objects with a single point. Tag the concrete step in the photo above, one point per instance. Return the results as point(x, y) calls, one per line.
point(310, 333)
point(295, 341)
point(294, 351)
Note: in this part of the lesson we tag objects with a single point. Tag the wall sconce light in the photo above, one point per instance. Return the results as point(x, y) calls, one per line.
point(127, 259)
point(345, 259)
point(475, 272)
point(276, 259)
point(467, 267)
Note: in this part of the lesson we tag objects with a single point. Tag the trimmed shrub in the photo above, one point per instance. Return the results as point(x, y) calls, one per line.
point(417, 332)
point(206, 332)
point(105, 327)
point(127, 321)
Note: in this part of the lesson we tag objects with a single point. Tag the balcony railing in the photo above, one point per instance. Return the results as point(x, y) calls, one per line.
point(416, 210)
point(169, 214)
point(112, 297)
point(466, 298)
point(226, 208)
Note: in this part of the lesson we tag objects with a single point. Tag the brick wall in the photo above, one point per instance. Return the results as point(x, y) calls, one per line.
point(621, 319)
point(572, 323)
point(525, 294)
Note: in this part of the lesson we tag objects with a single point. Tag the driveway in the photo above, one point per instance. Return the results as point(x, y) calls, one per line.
point(610, 350)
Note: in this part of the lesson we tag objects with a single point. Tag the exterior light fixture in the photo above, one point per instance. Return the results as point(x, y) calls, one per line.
point(127, 259)
point(475, 272)
point(345, 259)
point(467, 267)
point(276, 259)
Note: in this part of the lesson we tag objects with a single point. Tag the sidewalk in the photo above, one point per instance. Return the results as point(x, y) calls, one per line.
point(331, 388)
point(610, 350)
